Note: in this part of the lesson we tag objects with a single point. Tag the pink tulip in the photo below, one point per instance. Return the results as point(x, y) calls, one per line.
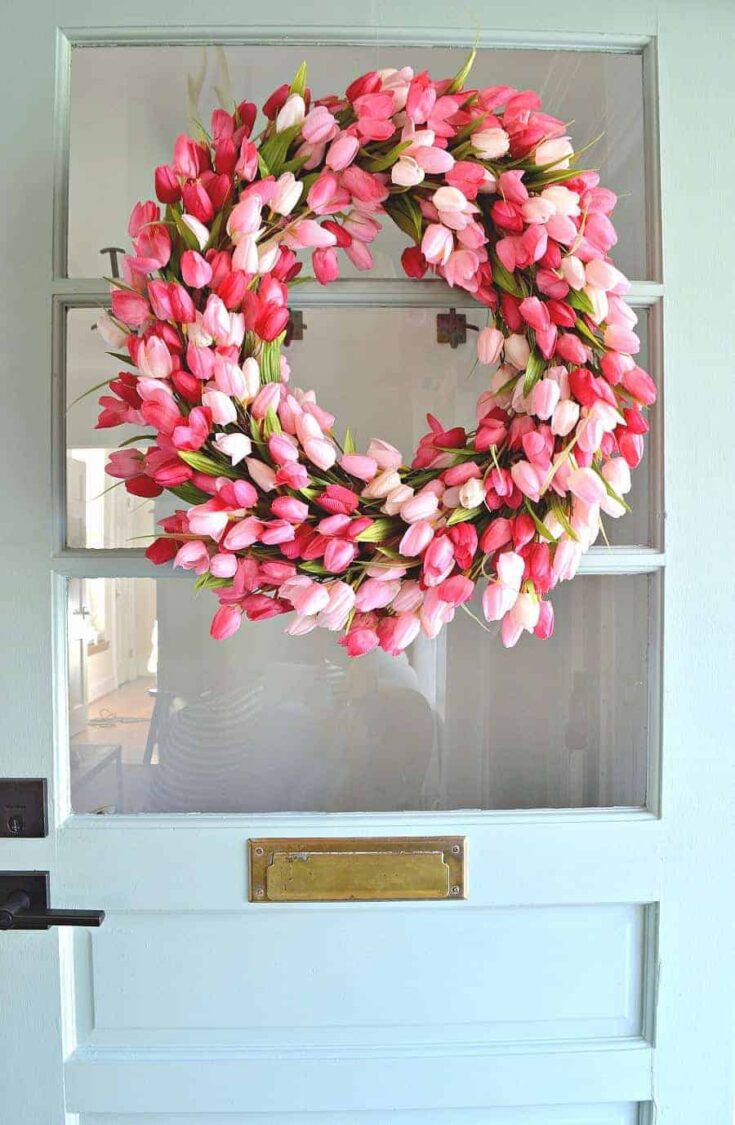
point(223, 565)
point(234, 446)
point(510, 631)
point(374, 594)
point(510, 567)
point(338, 554)
point(587, 485)
point(438, 561)
point(243, 534)
point(341, 153)
point(385, 455)
point(309, 598)
point(456, 590)
point(319, 126)
point(416, 539)
point(262, 474)
point(397, 633)
point(357, 465)
point(489, 345)
point(617, 337)
point(564, 417)
point(287, 194)
point(420, 507)
point(193, 556)
point(545, 625)
point(528, 479)
point(220, 406)
point(497, 600)
point(490, 144)
point(130, 308)
point(408, 598)
point(320, 452)
point(640, 385)
point(226, 622)
point(617, 474)
point(359, 641)
point(154, 359)
point(309, 233)
point(267, 398)
point(289, 508)
point(277, 531)
point(437, 243)
point(195, 271)
point(544, 398)
point(325, 264)
point(245, 217)
point(434, 161)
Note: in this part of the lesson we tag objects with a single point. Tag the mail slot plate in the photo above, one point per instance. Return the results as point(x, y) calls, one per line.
point(357, 869)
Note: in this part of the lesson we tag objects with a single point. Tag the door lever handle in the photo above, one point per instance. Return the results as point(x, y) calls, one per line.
point(24, 905)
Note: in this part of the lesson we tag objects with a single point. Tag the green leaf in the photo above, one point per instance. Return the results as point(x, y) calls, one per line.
point(538, 524)
point(461, 515)
point(461, 76)
point(188, 237)
point(309, 493)
point(313, 567)
point(136, 437)
point(579, 300)
point(534, 370)
point(590, 337)
point(122, 358)
point(275, 150)
point(614, 495)
point(348, 445)
point(271, 425)
point(211, 582)
point(505, 279)
point(91, 390)
point(298, 86)
point(563, 519)
point(189, 493)
point(406, 214)
point(388, 159)
point(201, 463)
point(270, 359)
point(379, 530)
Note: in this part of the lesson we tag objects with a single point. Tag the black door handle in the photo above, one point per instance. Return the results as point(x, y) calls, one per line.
point(24, 904)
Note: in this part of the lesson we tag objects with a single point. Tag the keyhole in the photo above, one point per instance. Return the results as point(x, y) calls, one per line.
point(15, 824)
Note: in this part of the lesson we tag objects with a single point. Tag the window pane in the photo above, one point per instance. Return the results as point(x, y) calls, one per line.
point(378, 393)
point(143, 91)
point(164, 719)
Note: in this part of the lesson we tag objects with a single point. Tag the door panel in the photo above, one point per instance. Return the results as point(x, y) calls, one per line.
point(575, 945)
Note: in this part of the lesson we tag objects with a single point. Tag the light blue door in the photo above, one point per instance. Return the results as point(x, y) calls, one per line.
point(586, 979)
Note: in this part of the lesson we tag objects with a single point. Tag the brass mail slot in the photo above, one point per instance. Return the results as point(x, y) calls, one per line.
point(362, 869)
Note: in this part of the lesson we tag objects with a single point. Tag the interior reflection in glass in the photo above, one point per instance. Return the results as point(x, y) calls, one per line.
point(163, 719)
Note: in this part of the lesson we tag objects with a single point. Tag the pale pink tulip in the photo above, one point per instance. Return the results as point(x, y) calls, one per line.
point(437, 243)
point(111, 332)
point(544, 398)
point(416, 539)
point(342, 152)
point(489, 345)
point(490, 144)
point(234, 446)
point(587, 485)
point(267, 398)
point(262, 474)
point(195, 270)
point(221, 407)
point(154, 359)
point(385, 455)
point(420, 507)
point(471, 493)
point(564, 418)
point(382, 485)
point(320, 452)
point(292, 112)
point(374, 594)
point(360, 466)
point(406, 172)
point(319, 126)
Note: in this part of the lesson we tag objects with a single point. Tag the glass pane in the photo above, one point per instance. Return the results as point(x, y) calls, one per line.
point(386, 395)
point(143, 91)
point(99, 512)
point(164, 719)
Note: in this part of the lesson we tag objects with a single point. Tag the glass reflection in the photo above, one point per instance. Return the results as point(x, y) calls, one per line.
point(144, 90)
point(163, 719)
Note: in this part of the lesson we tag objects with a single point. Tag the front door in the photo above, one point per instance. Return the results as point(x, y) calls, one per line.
point(585, 978)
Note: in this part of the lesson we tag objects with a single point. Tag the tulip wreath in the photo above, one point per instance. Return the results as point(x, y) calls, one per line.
point(282, 517)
